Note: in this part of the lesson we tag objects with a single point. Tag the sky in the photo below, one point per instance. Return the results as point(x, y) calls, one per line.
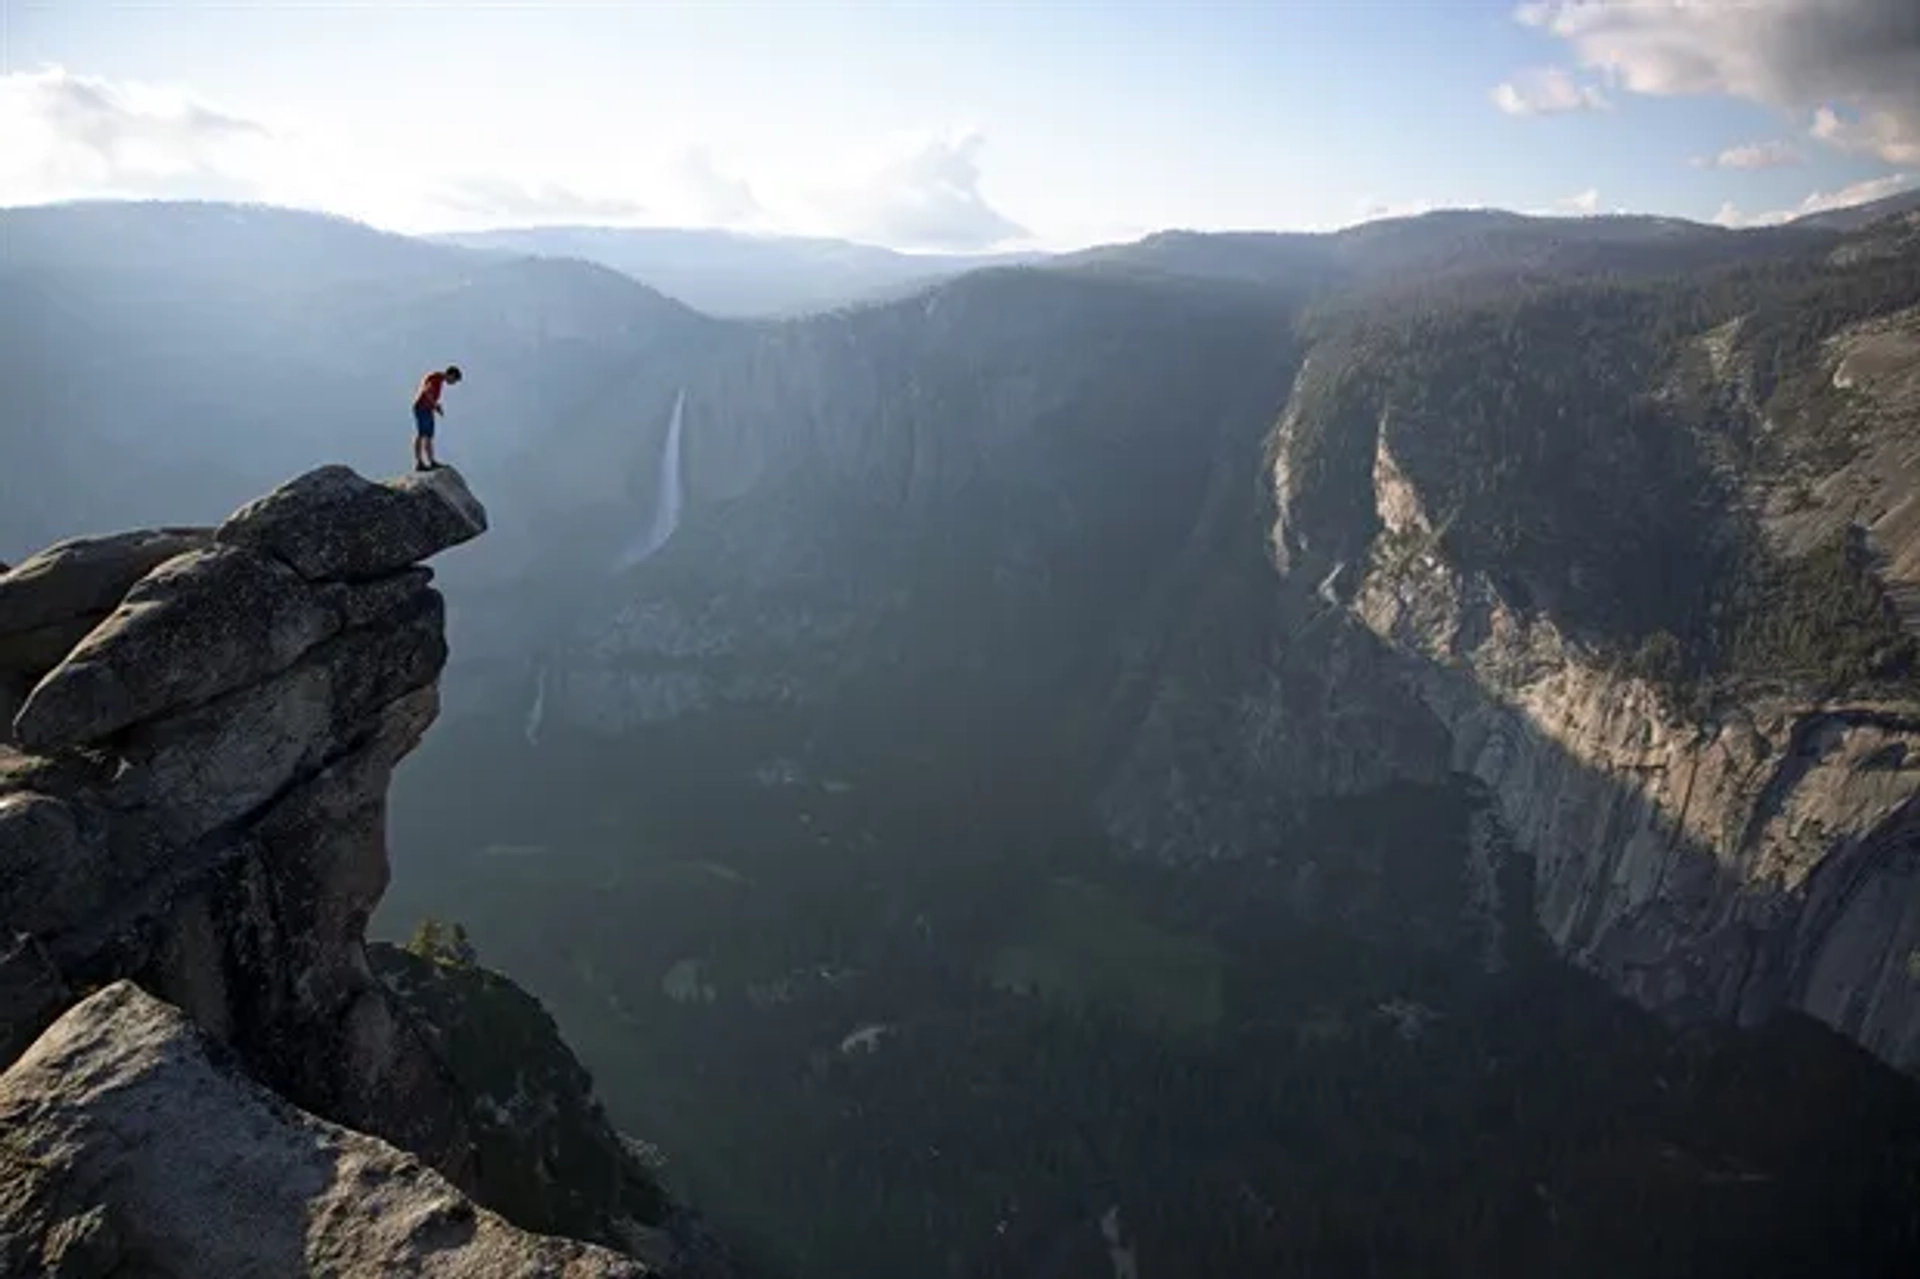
point(943, 126)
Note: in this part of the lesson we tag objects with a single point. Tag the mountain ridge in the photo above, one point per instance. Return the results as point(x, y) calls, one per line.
point(737, 275)
point(1348, 650)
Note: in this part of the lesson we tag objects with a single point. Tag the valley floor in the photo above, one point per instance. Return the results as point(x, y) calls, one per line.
point(883, 1027)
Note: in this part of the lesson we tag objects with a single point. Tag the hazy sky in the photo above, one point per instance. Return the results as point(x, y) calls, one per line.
point(963, 125)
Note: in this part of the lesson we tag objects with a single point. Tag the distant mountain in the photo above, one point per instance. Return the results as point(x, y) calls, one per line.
point(727, 273)
point(1860, 216)
point(166, 357)
point(1445, 250)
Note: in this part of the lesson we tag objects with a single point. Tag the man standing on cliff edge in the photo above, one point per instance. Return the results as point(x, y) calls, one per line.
point(426, 406)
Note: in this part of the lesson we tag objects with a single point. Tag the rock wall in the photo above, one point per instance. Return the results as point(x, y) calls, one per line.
point(193, 785)
point(1766, 858)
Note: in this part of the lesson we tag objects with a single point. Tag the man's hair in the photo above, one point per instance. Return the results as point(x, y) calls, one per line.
point(453, 372)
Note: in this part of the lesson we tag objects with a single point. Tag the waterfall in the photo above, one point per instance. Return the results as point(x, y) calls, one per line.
point(1126, 1263)
point(670, 495)
point(537, 713)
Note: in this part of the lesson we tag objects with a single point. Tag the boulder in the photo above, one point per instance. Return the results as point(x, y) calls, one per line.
point(215, 762)
point(32, 653)
point(333, 524)
point(201, 624)
point(86, 575)
point(135, 1144)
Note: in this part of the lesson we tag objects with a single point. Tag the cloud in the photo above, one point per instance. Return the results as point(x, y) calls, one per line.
point(68, 136)
point(1371, 209)
point(1730, 216)
point(1859, 193)
point(1547, 91)
point(689, 187)
point(919, 192)
point(534, 201)
point(1754, 155)
point(72, 134)
point(1820, 202)
point(1799, 55)
point(713, 196)
point(1585, 203)
point(1877, 133)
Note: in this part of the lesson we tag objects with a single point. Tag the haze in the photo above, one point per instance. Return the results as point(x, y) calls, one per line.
point(1168, 641)
point(964, 127)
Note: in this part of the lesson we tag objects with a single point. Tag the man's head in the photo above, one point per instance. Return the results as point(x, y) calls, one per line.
point(453, 373)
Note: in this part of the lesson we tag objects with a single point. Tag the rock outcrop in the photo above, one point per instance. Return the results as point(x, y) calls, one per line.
point(133, 1142)
point(196, 798)
point(192, 824)
point(51, 601)
point(1722, 868)
point(1724, 863)
point(552, 1161)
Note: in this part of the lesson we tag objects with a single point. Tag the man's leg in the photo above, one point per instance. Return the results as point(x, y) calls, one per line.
point(422, 439)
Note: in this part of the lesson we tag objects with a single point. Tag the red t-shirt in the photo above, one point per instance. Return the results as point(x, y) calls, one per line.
point(429, 396)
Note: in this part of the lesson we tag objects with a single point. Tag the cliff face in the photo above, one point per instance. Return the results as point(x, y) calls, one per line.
point(192, 817)
point(1720, 867)
point(1728, 859)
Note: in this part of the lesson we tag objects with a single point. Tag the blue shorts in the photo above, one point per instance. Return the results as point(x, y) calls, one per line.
point(423, 420)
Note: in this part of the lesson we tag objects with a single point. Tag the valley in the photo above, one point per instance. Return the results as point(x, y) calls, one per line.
point(870, 1022)
point(1367, 754)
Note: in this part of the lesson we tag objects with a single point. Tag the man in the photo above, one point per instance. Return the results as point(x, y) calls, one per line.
point(426, 406)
